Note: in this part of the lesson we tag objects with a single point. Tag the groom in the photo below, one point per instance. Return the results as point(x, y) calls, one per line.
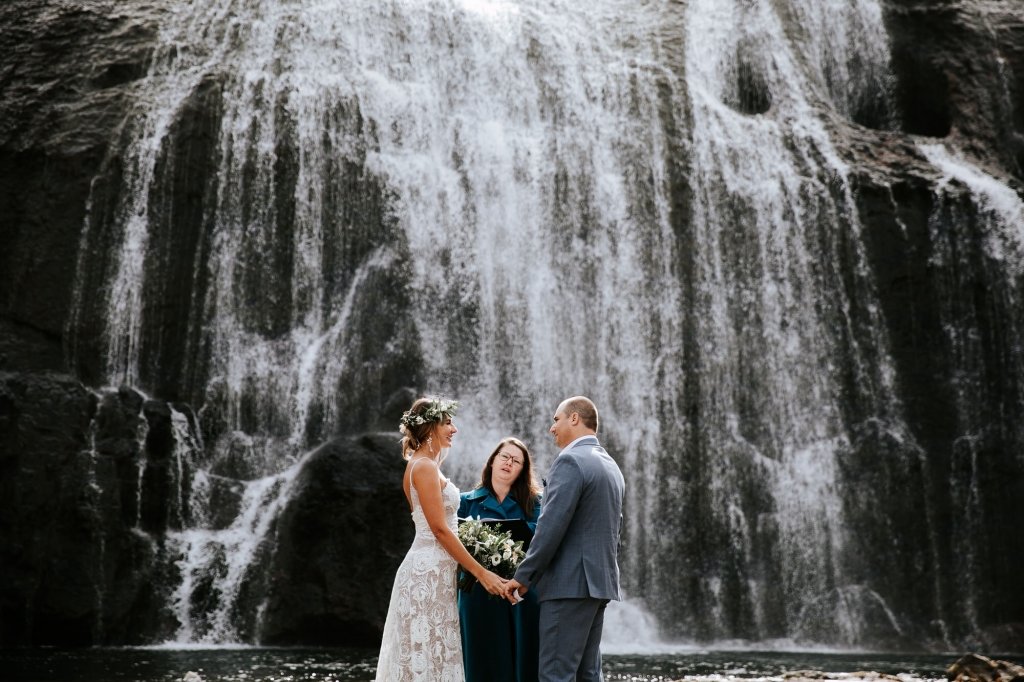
point(572, 562)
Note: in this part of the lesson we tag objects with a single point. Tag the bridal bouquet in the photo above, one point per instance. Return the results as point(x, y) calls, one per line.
point(492, 547)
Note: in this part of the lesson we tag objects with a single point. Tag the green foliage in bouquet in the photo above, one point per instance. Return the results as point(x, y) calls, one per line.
point(493, 548)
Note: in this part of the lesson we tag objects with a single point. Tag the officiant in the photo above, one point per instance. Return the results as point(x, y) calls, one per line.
point(500, 640)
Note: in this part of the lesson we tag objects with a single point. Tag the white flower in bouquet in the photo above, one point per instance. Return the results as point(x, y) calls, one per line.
point(489, 545)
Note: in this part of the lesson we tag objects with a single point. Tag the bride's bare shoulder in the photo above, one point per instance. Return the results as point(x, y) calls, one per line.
point(424, 462)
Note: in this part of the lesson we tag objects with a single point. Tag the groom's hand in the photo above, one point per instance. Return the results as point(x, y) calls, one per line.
point(514, 591)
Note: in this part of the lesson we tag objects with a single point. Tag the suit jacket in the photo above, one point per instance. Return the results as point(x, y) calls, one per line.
point(574, 553)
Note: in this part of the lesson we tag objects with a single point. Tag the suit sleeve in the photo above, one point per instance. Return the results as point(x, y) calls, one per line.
point(565, 486)
point(536, 516)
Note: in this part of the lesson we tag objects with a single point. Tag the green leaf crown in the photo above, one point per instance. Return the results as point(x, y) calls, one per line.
point(436, 410)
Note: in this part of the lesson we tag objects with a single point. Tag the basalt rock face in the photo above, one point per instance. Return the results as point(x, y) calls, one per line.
point(73, 571)
point(959, 69)
point(960, 75)
point(66, 77)
point(94, 483)
point(962, 400)
point(76, 568)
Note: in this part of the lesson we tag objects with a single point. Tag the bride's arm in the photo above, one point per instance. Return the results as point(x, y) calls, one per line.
point(428, 488)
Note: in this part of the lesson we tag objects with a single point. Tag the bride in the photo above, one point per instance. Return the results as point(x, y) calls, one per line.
point(421, 634)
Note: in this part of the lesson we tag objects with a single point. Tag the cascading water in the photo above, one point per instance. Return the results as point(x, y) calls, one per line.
point(530, 141)
point(512, 202)
point(771, 206)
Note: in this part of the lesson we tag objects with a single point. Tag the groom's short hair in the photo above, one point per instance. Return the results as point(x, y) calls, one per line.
point(585, 408)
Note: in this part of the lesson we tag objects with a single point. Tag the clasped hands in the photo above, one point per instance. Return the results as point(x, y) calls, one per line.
point(512, 590)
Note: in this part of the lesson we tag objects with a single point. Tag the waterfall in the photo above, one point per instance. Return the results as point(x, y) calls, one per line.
point(999, 229)
point(773, 321)
point(506, 140)
point(510, 203)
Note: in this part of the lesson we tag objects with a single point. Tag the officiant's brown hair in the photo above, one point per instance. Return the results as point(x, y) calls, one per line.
point(524, 489)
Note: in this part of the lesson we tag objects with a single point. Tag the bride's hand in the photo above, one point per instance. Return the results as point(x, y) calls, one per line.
point(493, 583)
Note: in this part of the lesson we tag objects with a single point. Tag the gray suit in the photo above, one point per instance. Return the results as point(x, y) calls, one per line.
point(572, 564)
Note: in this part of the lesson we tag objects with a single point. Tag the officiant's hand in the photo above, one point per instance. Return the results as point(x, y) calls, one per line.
point(514, 591)
point(492, 582)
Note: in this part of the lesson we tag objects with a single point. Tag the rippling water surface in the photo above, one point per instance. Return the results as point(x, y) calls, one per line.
point(335, 665)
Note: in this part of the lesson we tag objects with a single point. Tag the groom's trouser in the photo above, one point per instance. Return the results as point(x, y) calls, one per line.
point(570, 639)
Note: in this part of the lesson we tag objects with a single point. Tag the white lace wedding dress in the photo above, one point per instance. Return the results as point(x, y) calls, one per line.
point(421, 634)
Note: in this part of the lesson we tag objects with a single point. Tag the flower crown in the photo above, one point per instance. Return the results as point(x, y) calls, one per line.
point(434, 411)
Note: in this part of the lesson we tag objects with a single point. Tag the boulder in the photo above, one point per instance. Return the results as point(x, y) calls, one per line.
point(339, 543)
point(978, 668)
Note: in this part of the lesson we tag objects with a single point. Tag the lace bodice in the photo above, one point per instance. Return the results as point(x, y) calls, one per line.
point(421, 640)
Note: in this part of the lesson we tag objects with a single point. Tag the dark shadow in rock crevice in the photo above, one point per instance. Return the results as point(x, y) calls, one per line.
point(755, 97)
point(750, 93)
point(922, 96)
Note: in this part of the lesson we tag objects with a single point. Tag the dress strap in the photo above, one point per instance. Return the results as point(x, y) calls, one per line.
point(409, 474)
point(444, 479)
point(413, 466)
point(412, 487)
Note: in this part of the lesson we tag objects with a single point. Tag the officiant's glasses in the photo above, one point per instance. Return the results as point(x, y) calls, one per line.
point(505, 457)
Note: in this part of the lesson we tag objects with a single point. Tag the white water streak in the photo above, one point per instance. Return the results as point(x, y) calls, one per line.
point(1000, 205)
point(224, 558)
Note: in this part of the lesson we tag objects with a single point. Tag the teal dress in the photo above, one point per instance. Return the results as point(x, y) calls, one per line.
point(499, 641)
